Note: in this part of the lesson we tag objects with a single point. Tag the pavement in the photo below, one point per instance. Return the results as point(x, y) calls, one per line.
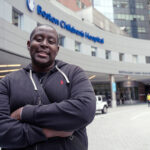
point(122, 128)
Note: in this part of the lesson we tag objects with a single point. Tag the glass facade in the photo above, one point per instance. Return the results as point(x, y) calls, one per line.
point(131, 15)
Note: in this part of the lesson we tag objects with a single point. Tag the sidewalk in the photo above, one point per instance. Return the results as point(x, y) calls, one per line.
point(127, 106)
point(124, 128)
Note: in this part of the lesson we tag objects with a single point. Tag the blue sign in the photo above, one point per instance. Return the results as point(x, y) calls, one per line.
point(30, 5)
point(62, 23)
point(114, 87)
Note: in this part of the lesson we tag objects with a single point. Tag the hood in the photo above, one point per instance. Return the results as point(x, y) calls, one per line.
point(57, 67)
point(58, 63)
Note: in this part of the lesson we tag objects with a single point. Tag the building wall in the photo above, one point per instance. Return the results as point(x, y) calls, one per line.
point(93, 16)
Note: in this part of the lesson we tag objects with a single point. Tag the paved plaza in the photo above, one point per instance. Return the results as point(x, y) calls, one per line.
point(123, 128)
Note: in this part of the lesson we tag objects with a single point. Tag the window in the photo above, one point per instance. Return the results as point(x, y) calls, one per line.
point(139, 5)
point(135, 58)
point(121, 57)
point(129, 17)
point(94, 51)
point(61, 40)
point(148, 59)
point(77, 46)
point(16, 18)
point(108, 54)
point(123, 4)
point(141, 30)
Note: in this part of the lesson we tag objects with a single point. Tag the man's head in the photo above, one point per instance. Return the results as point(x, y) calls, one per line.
point(43, 46)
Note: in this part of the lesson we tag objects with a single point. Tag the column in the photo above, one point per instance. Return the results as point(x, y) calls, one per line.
point(113, 91)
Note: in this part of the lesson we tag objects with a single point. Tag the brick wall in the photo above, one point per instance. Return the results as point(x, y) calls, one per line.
point(72, 4)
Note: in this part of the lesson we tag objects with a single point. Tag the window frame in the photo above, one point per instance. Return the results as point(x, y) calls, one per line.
point(19, 16)
point(93, 51)
point(77, 46)
point(61, 39)
point(108, 54)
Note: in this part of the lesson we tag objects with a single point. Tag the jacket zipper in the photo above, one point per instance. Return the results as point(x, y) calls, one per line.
point(39, 102)
point(36, 147)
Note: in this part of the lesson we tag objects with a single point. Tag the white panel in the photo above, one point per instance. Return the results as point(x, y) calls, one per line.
point(86, 49)
point(101, 53)
point(1, 8)
point(141, 59)
point(128, 58)
point(69, 43)
point(114, 56)
point(28, 24)
point(5, 11)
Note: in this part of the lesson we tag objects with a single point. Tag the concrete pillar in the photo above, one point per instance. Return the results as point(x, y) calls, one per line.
point(113, 91)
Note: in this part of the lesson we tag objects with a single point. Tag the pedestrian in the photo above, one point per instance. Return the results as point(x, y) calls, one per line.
point(48, 104)
point(148, 99)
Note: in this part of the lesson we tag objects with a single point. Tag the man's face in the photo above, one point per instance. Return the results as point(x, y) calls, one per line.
point(43, 46)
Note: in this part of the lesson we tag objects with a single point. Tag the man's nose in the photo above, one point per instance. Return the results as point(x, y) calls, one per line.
point(44, 43)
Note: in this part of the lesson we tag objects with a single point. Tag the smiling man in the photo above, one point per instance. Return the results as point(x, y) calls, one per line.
point(48, 104)
point(43, 47)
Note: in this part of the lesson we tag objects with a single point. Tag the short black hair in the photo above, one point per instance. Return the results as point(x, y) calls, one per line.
point(40, 25)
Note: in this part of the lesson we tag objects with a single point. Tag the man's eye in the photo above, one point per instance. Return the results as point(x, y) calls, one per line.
point(52, 41)
point(38, 39)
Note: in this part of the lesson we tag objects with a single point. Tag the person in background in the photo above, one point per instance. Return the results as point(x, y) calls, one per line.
point(148, 99)
point(48, 104)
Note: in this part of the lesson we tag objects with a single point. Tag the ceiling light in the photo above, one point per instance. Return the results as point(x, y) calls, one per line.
point(11, 65)
point(3, 71)
point(2, 76)
point(92, 77)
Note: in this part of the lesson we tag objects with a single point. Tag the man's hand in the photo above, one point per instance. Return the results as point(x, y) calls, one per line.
point(17, 114)
point(52, 133)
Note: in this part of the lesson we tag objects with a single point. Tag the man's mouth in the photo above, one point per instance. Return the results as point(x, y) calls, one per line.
point(42, 54)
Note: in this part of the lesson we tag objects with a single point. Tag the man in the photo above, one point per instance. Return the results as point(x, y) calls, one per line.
point(48, 104)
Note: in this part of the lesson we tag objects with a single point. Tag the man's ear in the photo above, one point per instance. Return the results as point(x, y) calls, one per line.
point(57, 49)
point(28, 45)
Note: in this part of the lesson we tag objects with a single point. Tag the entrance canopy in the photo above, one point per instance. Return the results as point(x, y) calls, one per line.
point(10, 62)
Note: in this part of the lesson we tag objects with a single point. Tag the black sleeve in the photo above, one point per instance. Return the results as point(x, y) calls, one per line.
point(13, 133)
point(69, 114)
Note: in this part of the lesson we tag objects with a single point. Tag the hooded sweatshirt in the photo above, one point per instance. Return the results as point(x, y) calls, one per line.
point(62, 99)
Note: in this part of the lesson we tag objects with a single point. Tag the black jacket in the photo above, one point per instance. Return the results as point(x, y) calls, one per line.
point(68, 105)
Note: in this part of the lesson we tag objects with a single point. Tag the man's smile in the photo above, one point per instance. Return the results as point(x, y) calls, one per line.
point(42, 54)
